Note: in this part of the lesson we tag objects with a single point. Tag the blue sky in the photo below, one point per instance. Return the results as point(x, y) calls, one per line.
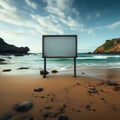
point(23, 22)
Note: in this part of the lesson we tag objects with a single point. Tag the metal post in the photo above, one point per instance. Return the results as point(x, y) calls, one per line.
point(44, 75)
point(74, 67)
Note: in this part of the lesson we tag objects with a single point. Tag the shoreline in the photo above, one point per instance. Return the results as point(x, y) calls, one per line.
point(95, 73)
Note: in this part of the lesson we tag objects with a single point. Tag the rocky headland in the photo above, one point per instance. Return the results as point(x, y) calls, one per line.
point(109, 47)
point(6, 49)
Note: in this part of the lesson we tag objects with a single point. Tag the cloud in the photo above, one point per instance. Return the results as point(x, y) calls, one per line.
point(57, 7)
point(60, 14)
point(31, 4)
point(4, 4)
point(93, 15)
point(48, 24)
point(19, 34)
point(98, 15)
point(10, 13)
point(113, 25)
point(63, 11)
point(60, 18)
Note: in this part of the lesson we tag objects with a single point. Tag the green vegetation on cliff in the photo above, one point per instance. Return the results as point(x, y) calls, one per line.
point(109, 47)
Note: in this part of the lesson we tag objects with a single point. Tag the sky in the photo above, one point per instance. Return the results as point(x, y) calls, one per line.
point(23, 22)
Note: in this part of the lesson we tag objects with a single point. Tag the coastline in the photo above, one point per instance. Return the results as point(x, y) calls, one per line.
point(63, 89)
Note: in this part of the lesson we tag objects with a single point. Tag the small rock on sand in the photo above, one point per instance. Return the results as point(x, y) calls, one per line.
point(6, 70)
point(112, 83)
point(78, 111)
point(51, 115)
point(78, 84)
point(54, 71)
point(117, 88)
point(92, 90)
point(23, 68)
point(23, 106)
point(48, 107)
point(63, 117)
point(38, 89)
point(88, 107)
point(6, 116)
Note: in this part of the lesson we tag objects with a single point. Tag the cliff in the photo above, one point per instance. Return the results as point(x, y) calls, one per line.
point(11, 49)
point(109, 47)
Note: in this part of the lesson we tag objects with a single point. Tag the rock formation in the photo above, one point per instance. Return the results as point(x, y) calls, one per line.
point(109, 47)
point(11, 49)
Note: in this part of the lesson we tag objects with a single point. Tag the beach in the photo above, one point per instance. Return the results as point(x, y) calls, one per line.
point(59, 60)
point(93, 94)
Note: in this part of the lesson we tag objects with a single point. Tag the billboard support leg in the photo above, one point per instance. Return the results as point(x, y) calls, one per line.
point(74, 67)
point(44, 75)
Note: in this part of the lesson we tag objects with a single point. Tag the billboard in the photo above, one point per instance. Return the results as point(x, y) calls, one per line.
point(59, 46)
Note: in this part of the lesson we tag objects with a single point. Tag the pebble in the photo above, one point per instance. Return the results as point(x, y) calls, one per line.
point(23, 106)
point(6, 116)
point(114, 107)
point(88, 107)
point(78, 84)
point(117, 88)
point(102, 98)
point(92, 90)
point(78, 111)
point(48, 94)
point(112, 83)
point(42, 97)
point(64, 105)
point(6, 70)
point(38, 89)
point(94, 110)
point(63, 117)
point(61, 109)
point(51, 115)
point(54, 71)
point(48, 107)
point(83, 73)
point(22, 68)
point(52, 99)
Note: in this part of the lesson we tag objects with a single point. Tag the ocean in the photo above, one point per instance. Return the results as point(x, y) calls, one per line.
point(35, 63)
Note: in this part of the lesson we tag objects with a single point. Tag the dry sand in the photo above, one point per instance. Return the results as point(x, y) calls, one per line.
point(79, 98)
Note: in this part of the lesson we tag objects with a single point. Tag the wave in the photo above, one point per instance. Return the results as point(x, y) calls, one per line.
point(35, 61)
point(92, 57)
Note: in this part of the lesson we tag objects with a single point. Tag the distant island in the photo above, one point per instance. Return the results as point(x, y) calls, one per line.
point(6, 49)
point(109, 47)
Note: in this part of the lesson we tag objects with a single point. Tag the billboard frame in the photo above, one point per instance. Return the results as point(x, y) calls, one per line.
point(43, 49)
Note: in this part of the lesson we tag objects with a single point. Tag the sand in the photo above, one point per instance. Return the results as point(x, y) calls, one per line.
point(62, 94)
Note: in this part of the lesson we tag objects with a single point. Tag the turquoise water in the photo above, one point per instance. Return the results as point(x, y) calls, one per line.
point(35, 62)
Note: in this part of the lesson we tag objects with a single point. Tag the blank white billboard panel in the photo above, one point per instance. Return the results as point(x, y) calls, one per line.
point(59, 46)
